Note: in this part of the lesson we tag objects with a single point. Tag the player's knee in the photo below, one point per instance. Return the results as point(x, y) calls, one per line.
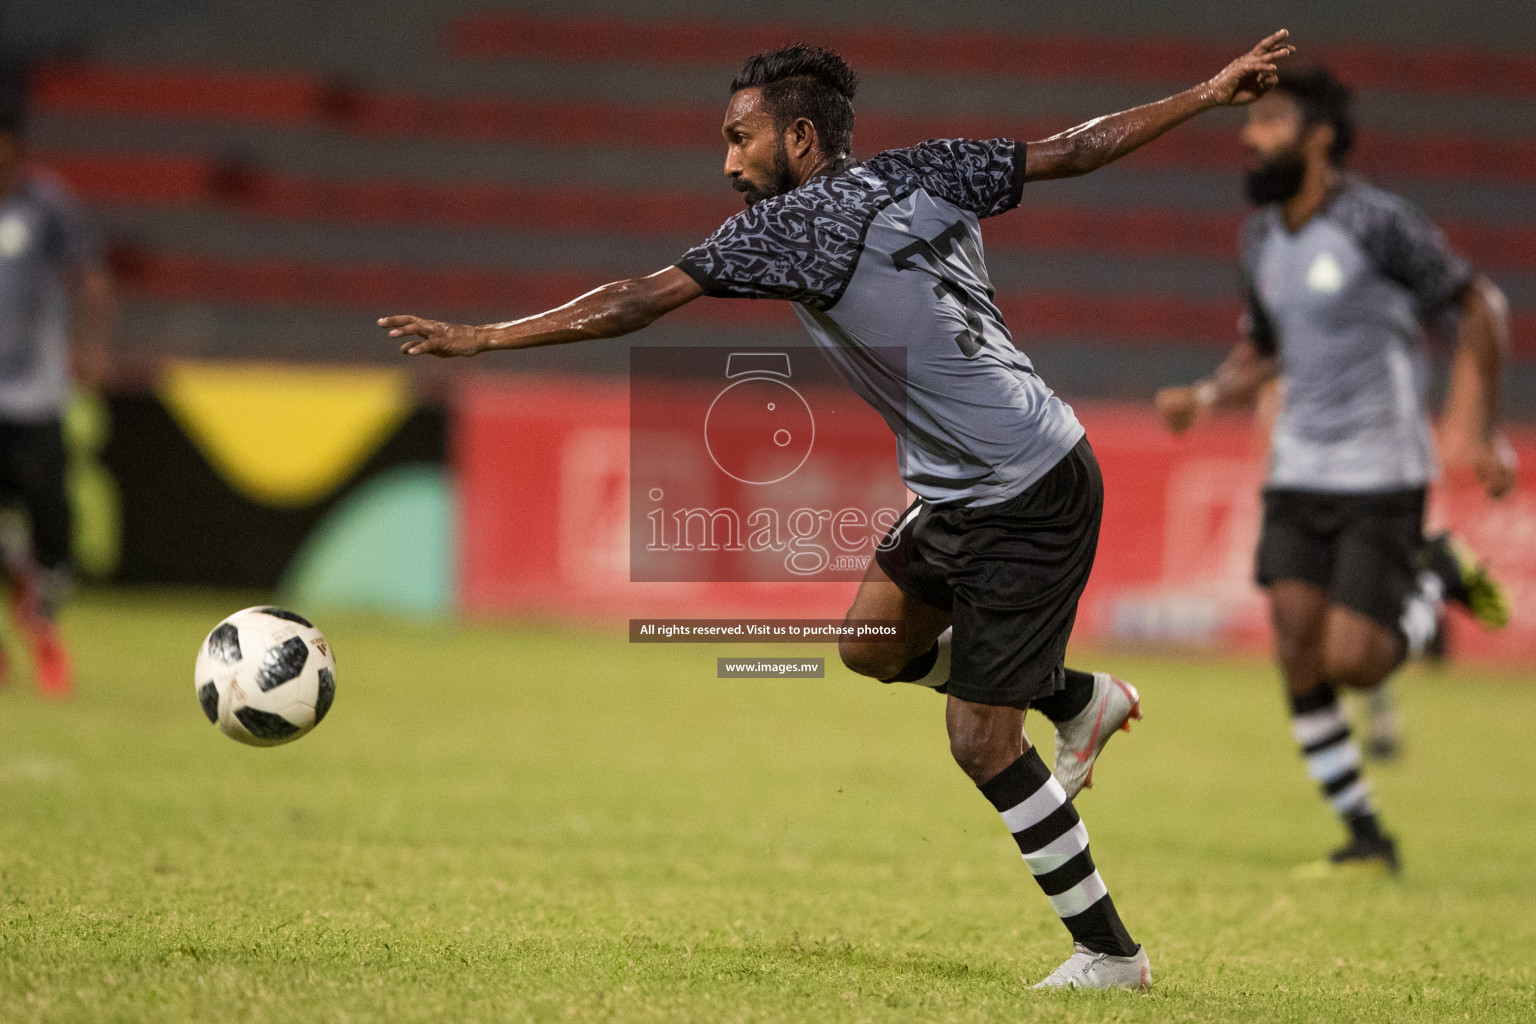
point(1350, 674)
point(1292, 654)
point(972, 754)
point(979, 757)
point(878, 661)
point(1360, 654)
point(1299, 624)
point(982, 752)
point(1355, 664)
point(1296, 644)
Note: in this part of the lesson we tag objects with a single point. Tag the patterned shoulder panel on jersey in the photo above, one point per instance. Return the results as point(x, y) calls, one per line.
point(1403, 244)
point(801, 246)
point(985, 176)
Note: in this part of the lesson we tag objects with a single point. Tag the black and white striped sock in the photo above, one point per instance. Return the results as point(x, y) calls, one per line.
point(1333, 758)
point(1054, 842)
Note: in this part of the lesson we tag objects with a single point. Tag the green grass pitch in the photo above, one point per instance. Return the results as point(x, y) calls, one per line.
point(546, 824)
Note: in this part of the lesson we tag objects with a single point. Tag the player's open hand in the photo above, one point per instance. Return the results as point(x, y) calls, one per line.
point(1495, 466)
point(1253, 74)
point(433, 337)
point(1180, 407)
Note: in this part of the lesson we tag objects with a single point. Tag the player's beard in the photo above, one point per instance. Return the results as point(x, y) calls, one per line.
point(780, 179)
point(1277, 179)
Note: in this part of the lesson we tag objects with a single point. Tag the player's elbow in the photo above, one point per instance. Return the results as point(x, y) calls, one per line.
point(1485, 305)
point(1489, 298)
point(1084, 156)
point(627, 307)
point(1067, 155)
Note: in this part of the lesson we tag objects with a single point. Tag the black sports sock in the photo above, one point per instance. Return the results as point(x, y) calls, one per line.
point(1069, 701)
point(931, 668)
point(1054, 842)
point(917, 667)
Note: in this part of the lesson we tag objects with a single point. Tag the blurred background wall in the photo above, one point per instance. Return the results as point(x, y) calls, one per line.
point(273, 176)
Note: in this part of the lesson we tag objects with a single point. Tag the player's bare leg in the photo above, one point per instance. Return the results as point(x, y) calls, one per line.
point(1299, 612)
point(984, 739)
point(920, 654)
point(1362, 654)
point(1088, 711)
point(1313, 640)
point(1358, 652)
point(37, 609)
point(35, 593)
point(1450, 572)
point(989, 745)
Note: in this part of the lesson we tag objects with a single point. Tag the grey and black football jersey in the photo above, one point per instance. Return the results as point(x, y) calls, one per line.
point(44, 239)
point(1346, 302)
point(886, 258)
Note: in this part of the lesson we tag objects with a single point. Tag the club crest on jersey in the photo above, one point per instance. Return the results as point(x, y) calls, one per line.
point(1325, 274)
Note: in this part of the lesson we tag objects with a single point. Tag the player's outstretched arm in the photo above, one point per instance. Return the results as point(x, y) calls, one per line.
point(1236, 384)
point(1473, 403)
point(607, 312)
point(1095, 143)
point(95, 304)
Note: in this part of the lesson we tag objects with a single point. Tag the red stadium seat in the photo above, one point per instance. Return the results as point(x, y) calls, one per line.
point(133, 179)
point(296, 100)
point(678, 41)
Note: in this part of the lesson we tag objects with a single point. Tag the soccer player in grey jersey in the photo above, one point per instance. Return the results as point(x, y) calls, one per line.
point(987, 566)
point(56, 310)
point(1344, 281)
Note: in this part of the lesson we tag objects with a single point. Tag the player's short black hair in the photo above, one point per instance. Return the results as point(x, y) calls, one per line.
point(809, 82)
point(1323, 99)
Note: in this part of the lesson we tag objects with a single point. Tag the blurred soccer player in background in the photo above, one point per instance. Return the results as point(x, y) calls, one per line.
point(56, 309)
point(1344, 281)
point(987, 566)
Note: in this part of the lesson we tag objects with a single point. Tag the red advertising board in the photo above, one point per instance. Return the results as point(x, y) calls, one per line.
point(543, 465)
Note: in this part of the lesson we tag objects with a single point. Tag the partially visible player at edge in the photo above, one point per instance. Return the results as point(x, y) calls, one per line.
point(1343, 280)
point(987, 566)
point(56, 312)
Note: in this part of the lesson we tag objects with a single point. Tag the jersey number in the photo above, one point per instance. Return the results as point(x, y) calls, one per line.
point(936, 250)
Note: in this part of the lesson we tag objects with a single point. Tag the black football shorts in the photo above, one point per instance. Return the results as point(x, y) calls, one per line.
point(1361, 548)
point(32, 470)
point(1010, 574)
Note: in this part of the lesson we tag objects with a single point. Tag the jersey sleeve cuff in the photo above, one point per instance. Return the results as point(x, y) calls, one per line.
point(1016, 180)
point(1461, 282)
point(694, 271)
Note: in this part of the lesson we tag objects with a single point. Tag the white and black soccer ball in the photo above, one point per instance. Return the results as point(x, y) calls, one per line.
point(265, 676)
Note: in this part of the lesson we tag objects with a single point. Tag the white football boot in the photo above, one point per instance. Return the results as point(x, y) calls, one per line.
point(1087, 969)
point(1114, 706)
